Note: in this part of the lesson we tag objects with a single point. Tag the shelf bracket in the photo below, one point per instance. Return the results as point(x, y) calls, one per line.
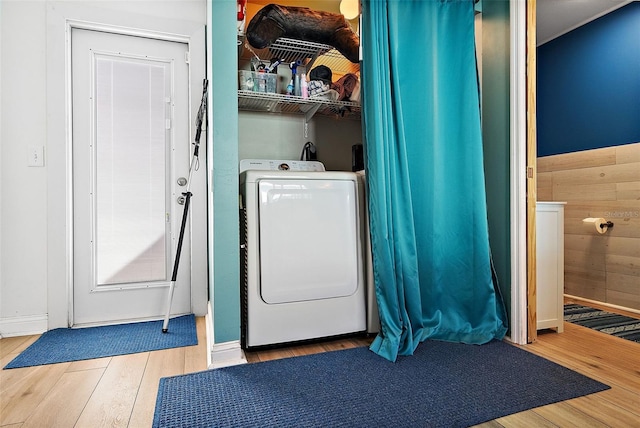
point(309, 113)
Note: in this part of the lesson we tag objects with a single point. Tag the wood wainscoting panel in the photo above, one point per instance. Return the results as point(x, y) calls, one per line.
point(583, 192)
point(627, 300)
point(545, 186)
point(577, 160)
point(620, 173)
point(628, 191)
point(598, 183)
point(585, 260)
point(627, 153)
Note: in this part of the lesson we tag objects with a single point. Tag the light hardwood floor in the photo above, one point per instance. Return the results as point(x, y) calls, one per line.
point(121, 391)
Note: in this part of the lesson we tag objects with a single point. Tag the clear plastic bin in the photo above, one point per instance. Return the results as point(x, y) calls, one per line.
point(257, 82)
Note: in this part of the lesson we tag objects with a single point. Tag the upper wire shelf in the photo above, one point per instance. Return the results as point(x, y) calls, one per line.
point(308, 53)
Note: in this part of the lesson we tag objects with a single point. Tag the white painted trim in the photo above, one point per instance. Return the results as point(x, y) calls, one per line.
point(221, 354)
point(518, 150)
point(208, 323)
point(128, 31)
point(23, 326)
point(68, 101)
point(59, 239)
point(199, 201)
point(227, 354)
point(209, 164)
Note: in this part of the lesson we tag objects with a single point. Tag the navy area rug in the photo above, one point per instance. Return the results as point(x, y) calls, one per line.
point(442, 385)
point(606, 322)
point(74, 344)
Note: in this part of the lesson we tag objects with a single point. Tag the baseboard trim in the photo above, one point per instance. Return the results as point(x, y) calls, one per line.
point(223, 354)
point(23, 326)
point(606, 305)
point(208, 321)
point(227, 354)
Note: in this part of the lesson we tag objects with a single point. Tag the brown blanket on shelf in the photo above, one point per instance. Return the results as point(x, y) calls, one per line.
point(274, 21)
point(345, 87)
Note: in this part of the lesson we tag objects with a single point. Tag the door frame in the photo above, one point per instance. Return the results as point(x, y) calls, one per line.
point(522, 240)
point(523, 170)
point(532, 173)
point(61, 18)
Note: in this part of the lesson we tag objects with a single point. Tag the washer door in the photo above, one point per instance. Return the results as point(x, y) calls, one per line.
point(308, 239)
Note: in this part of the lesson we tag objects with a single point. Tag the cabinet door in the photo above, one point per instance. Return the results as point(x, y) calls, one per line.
point(550, 266)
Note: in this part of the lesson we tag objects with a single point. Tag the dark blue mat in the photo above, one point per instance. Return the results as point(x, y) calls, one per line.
point(441, 385)
point(74, 344)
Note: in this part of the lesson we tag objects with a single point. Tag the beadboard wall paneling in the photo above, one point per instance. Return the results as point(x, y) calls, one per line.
point(598, 183)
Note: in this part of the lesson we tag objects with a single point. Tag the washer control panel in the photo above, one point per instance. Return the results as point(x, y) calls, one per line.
point(280, 165)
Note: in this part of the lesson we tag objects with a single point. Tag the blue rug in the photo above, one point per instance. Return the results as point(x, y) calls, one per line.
point(441, 385)
point(74, 344)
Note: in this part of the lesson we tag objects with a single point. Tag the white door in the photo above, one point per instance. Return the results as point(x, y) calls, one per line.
point(130, 145)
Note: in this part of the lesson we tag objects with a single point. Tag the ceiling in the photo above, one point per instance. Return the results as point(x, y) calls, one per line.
point(557, 17)
point(554, 17)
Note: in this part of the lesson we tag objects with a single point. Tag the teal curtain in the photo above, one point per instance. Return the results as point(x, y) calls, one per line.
point(427, 206)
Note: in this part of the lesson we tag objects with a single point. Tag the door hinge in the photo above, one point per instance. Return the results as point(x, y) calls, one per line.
point(529, 172)
point(167, 124)
point(187, 57)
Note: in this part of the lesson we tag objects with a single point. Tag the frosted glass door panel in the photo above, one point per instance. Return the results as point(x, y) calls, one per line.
point(131, 158)
point(308, 240)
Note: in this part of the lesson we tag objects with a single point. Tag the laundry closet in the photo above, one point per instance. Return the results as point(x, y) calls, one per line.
point(302, 225)
point(277, 126)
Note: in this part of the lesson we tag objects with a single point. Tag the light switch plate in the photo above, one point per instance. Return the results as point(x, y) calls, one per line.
point(35, 156)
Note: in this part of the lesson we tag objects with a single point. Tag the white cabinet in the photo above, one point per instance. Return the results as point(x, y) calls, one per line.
point(550, 265)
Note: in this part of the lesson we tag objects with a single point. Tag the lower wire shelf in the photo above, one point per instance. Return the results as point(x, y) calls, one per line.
point(279, 103)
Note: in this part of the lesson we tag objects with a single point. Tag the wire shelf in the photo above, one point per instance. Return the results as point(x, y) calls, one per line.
point(290, 50)
point(308, 54)
point(278, 103)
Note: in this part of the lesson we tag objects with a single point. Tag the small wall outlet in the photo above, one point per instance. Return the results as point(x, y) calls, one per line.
point(35, 156)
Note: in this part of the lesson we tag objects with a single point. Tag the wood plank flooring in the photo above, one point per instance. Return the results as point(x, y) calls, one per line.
point(121, 391)
point(115, 392)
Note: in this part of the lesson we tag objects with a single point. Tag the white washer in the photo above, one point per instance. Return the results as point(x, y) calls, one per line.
point(302, 257)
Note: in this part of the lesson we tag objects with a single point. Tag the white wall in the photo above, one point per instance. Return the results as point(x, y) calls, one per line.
point(23, 221)
point(28, 194)
point(270, 136)
point(282, 136)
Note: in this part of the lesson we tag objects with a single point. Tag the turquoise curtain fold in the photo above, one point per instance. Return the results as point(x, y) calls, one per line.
point(427, 201)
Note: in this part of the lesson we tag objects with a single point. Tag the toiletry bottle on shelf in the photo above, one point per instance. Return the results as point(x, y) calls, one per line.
point(296, 86)
point(304, 87)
